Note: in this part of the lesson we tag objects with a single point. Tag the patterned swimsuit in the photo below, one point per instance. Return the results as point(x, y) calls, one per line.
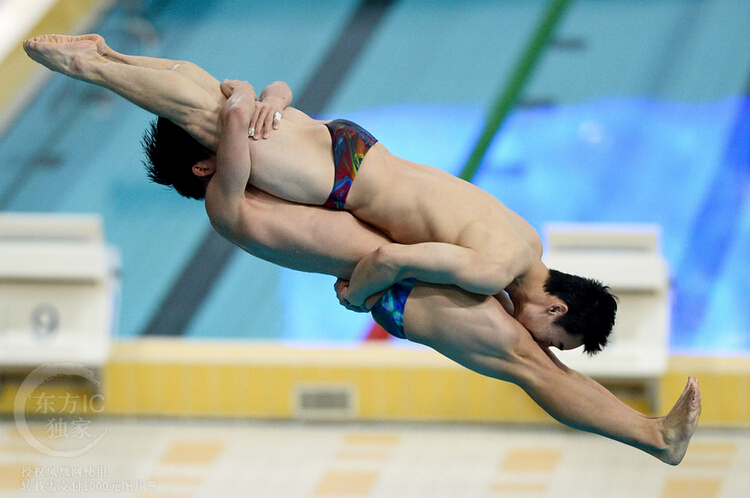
point(350, 143)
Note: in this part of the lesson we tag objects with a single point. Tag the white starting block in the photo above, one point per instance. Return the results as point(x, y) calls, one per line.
point(628, 259)
point(59, 290)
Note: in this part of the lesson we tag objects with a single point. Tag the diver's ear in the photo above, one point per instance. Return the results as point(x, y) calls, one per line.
point(204, 168)
point(558, 309)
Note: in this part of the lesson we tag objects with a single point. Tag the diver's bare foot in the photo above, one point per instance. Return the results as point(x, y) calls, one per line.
point(679, 425)
point(63, 53)
point(98, 40)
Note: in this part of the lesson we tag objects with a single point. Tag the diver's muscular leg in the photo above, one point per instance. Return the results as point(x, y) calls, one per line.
point(477, 333)
point(167, 93)
point(197, 74)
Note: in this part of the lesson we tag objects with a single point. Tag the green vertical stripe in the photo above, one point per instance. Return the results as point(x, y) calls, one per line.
point(509, 93)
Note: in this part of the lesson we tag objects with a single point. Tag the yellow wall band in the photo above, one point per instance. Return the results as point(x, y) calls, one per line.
point(182, 378)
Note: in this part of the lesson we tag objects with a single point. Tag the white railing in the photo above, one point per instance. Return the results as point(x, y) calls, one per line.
point(628, 259)
point(59, 290)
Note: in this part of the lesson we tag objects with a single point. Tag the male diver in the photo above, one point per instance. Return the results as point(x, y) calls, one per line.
point(462, 321)
point(448, 230)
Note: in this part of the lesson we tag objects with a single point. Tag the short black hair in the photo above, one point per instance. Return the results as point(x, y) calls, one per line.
point(591, 308)
point(171, 154)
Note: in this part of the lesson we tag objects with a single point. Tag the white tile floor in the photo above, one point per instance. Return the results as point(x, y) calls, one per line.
point(142, 458)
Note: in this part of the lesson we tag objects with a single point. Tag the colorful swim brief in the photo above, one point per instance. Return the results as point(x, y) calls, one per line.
point(350, 143)
point(389, 311)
